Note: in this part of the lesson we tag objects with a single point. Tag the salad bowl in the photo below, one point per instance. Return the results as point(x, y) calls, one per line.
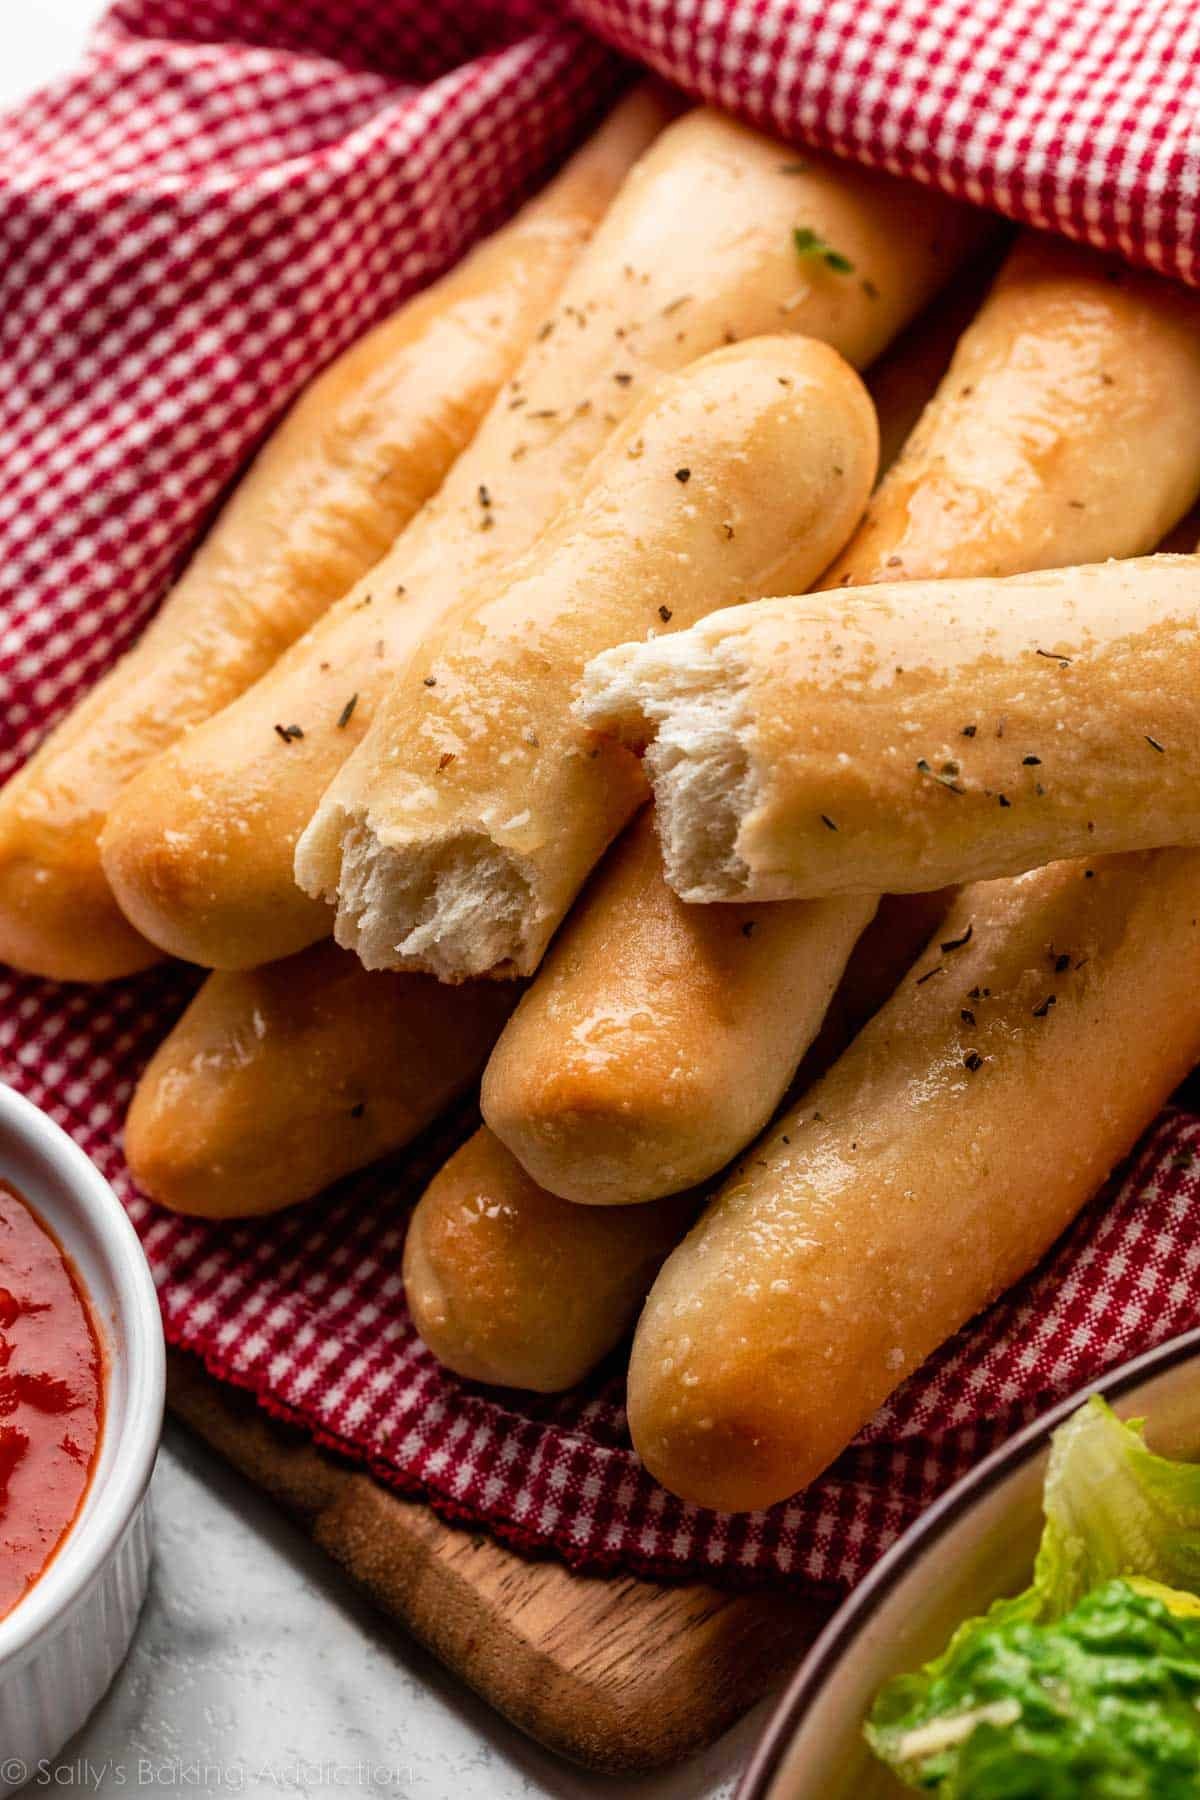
point(975, 1545)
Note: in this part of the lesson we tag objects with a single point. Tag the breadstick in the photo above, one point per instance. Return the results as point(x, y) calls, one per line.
point(359, 453)
point(278, 1081)
point(932, 1167)
point(659, 1038)
point(508, 1285)
point(734, 477)
point(697, 248)
point(1071, 403)
point(912, 735)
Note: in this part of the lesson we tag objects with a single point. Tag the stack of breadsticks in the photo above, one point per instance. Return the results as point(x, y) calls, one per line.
point(494, 671)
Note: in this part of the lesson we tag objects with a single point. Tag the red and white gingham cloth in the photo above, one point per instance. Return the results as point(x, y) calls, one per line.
point(1079, 116)
point(225, 194)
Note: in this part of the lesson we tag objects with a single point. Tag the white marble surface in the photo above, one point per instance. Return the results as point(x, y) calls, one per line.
point(255, 1670)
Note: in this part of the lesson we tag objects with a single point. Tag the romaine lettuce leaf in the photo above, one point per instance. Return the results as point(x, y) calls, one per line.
point(1114, 1508)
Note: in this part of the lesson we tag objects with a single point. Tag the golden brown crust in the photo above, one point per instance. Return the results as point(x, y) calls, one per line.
point(278, 1081)
point(654, 291)
point(509, 1285)
point(658, 1038)
point(940, 1161)
point(932, 1166)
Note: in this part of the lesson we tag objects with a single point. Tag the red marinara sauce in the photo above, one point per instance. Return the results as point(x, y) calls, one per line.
point(51, 1397)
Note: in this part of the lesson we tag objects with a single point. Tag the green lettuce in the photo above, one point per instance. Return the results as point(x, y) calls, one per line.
point(1088, 1682)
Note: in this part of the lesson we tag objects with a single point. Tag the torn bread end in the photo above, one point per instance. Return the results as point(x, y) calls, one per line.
point(684, 697)
point(457, 906)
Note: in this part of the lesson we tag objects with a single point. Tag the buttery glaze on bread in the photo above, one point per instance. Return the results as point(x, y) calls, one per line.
point(912, 735)
point(509, 1285)
point(278, 1081)
point(462, 848)
point(659, 1038)
point(697, 248)
point(1064, 430)
point(931, 1167)
point(359, 453)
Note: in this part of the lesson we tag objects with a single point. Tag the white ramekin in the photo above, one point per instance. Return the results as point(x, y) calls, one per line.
point(62, 1644)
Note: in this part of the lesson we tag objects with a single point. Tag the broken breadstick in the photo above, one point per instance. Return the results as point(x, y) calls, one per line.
point(909, 736)
point(479, 826)
point(561, 1089)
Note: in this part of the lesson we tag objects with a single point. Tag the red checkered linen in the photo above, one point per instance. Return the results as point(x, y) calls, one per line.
point(1079, 116)
point(223, 196)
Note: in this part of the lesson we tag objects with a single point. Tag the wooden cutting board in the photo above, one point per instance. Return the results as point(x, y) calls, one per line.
point(616, 1673)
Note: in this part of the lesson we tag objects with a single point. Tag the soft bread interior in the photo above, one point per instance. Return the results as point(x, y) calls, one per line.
point(456, 906)
point(685, 698)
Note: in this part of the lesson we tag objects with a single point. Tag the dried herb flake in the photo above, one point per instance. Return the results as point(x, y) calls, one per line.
point(946, 776)
point(810, 243)
point(958, 942)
